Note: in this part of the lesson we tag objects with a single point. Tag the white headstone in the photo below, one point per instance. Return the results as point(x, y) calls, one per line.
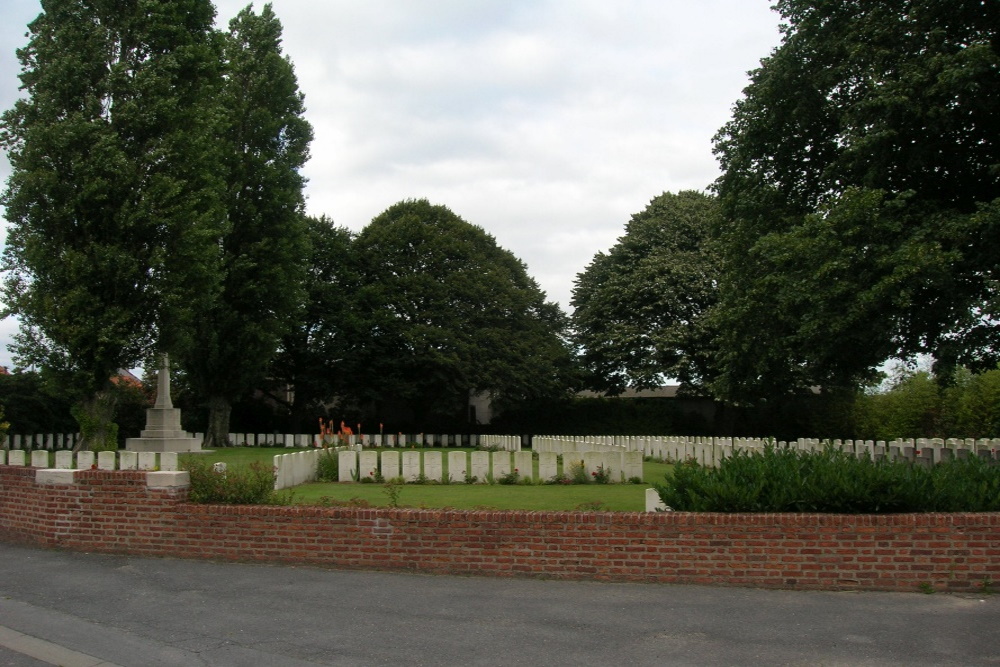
point(458, 466)
point(168, 461)
point(524, 464)
point(411, 465)
point(368, 465)
point(347, 465)
point(633, 465)
point(480, 465)
point(106, 460)
point(147, 460)
point(128, 460)
point(547, 465)
point(85, 460)
point(592, 461)
point(390, 465)
point(501, 464)
point(433, 468)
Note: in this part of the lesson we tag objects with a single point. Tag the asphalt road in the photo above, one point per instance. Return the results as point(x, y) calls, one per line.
point(84, 610)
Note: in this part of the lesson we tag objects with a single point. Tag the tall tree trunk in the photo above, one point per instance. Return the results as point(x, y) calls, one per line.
point(96, 415)
point(217, 433)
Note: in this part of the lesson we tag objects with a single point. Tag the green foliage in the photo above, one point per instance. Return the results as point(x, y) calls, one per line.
point(33, 405)
point(328, 466)
point(977, 406)
point(911, 408)
point(312, 354)
point(113, 184)
point(789, 480)
point(917, 405)
point(264, 141)
point(625, 416)
point(578, 473)
point(393, 488)
point(4, 426)
point(512, 477)
point(447, 312)
point(602, 475)
point(859, 185)
point(251, 484)
point(639, 309)
point(98, 432)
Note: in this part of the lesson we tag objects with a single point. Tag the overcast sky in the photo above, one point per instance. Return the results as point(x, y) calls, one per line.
point(548, 123)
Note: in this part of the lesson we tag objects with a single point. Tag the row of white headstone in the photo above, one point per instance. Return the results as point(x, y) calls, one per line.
point(391, 440)
point(68, 460)
point(301, 467)
point(710, 451)
point(57, 441)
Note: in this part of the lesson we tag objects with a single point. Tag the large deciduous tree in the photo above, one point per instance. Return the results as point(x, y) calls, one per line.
point(861, 190)
point(448, 313)
point(639, 310)
point(264, 247)
point(113, 199)
point(314, 356)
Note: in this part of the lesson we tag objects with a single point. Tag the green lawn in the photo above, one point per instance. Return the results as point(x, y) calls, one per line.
point(613, 497)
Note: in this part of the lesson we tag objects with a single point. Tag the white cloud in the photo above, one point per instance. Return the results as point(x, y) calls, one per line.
point(546, 122)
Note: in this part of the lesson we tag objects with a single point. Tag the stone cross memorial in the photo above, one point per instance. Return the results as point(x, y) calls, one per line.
point(163, 432)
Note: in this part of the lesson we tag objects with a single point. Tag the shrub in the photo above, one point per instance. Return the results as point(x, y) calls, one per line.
point(328, 466)
point(393, 488)
point(512, 477)
point(237, 485)
point(578, 473)
point(602, 475)
point(831, 481)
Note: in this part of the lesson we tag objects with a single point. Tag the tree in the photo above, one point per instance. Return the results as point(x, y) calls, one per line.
point(264, 250)
point(113, 196)
point(33, 405)
point(447, 312)
point(639, 309)
point(314, 356)
point(860, 187)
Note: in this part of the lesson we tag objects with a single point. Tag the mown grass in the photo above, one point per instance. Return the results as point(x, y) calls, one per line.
point(540, 497)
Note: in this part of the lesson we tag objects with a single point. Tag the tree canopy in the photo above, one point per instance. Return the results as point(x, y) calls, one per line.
point(315, 354)
point(448, 312)
point(639, 310)
point(113, 197)
point(264, 142)
point(861, 195)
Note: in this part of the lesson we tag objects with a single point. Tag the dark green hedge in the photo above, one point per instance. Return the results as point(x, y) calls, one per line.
point(789, 480)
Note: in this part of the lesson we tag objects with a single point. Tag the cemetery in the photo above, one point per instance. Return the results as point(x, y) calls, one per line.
point(137, 503)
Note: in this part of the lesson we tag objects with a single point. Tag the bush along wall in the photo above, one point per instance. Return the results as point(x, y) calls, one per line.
point(779, 479)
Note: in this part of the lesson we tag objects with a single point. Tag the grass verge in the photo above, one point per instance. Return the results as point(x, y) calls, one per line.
point(538, 497)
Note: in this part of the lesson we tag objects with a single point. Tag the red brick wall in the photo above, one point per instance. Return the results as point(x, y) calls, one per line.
point(115, 512)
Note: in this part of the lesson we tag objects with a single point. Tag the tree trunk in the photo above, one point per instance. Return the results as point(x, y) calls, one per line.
point(217, 433)
point(95, 415)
